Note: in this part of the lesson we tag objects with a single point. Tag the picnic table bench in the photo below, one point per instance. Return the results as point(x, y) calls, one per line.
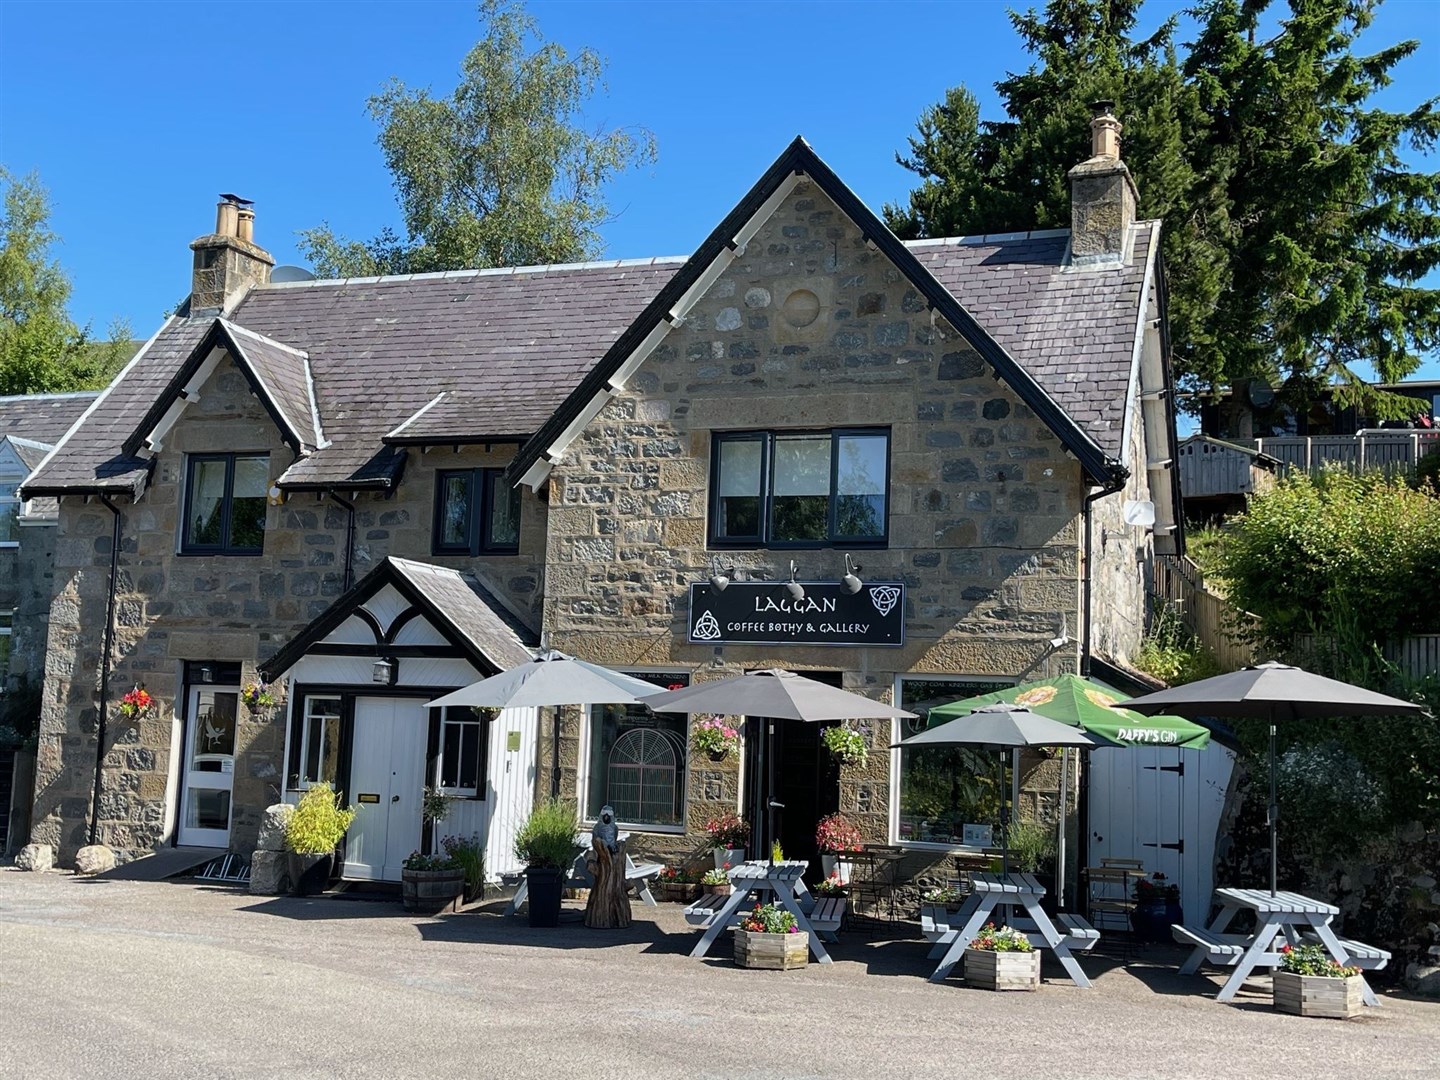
point(1280, 918)
point(753, 879)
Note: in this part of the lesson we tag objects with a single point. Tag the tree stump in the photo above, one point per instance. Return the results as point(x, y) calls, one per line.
point(609, 905)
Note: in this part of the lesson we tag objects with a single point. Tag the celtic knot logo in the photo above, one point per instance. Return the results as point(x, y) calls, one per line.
point(884, 597)
point(706, 628)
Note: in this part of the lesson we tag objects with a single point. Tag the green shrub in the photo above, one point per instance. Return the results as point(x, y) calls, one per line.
point(1032, 847)
point(318, 823)
point(547, 839)
point(469, 854)
point(1171, 653)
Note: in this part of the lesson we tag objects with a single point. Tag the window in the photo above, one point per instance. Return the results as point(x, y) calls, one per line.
point(476, 513)
point(798, 489)
point(944, 788)
point(225, 504)
point(460, 769)
point(319, 742)
point(637, 760)
point(9, 512)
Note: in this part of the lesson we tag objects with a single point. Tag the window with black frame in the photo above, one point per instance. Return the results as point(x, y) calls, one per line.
point(637, 759)
point(800, 489)
point(225, 496)
point(460, 761)
point(476, 513)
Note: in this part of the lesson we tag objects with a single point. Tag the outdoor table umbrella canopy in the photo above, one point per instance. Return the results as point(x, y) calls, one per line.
point(1272, 692)
point(552, 678)
point(1000, 727)
point(778, 694)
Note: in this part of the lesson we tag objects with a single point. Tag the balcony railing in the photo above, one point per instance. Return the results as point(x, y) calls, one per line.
point(1377, 448)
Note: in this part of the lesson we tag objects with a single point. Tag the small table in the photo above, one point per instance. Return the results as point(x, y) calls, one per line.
point(1285, 912)
point(1009, 890)
point(750, 878)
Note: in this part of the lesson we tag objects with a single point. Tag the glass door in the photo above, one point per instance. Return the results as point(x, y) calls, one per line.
point(209, 766)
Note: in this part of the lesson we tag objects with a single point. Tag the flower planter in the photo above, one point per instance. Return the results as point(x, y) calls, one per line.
point(993, 970)
point(432, 891)
point(777, 952)
point(1317, 995)
point(676, 891)
point(732, 855)
point(1151, 919)
point(544, 885)
point(309, 874)
point(717, 756)
point(832, 865)
point(715, 890)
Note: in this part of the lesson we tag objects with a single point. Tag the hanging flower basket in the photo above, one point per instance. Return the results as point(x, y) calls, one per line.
point(259, 698)
point(138, 705)
point(846, 746)
point(715, 736)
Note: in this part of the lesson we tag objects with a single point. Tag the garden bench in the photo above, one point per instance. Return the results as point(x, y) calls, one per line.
point(827, 914)
point(701, 911)
point(1222, 949)
point(1365, 957)
point(1085, 936)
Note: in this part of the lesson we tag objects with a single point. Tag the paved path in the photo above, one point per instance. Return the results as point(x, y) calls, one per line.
point(121, 979)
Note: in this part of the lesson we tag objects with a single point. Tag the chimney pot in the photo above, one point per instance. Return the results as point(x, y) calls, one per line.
point(1104, 131)
point(246, 224)
point(227, 261)
point(226, 218)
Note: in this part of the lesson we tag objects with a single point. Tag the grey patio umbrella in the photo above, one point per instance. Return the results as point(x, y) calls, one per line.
point(1272, 692)
point(550, 680)
point(774, 693)
point(1001, 727)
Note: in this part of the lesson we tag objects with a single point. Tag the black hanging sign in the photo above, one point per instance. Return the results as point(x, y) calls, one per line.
point(764, 613)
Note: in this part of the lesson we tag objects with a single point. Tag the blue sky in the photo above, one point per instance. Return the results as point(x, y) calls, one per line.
point(137, 114)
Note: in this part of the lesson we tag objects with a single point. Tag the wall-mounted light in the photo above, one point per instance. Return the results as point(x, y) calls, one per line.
point(385, 671)
point(720, 575)
point(794, 588)
point(851, 580)
point(205, 673)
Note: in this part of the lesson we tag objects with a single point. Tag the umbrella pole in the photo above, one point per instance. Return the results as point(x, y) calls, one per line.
point(1004, 819)
point(1274, 815)
point(1060, 842)
point(770, 790)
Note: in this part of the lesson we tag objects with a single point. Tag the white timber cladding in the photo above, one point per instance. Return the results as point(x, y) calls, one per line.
point(155, 438)
point(440, 673)
point(386, 606)
point(510, 769)
point(537, 473)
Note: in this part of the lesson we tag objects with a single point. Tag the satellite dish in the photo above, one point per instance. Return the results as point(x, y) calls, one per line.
point(1139, 513)
point(1261, 394)
point(283, 274)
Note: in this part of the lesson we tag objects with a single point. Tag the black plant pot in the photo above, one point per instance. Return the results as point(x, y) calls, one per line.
point(1151, 920)
point(309, 874)
point(545, 884)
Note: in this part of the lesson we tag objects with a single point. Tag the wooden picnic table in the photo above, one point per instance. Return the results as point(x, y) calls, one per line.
point(750, 879)
point(1295, 916)
point(951, 934)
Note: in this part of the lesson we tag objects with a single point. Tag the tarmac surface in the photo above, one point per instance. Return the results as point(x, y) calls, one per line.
point(127, 979)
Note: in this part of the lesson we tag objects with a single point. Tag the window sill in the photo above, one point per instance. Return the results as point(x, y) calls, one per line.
point(806, 545)
point(625, 826)
point(189, 554)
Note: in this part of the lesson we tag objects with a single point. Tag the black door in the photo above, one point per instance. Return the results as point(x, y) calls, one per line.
point(786, 759)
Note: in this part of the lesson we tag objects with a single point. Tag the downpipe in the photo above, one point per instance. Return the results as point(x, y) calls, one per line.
point(349, 507)
point(106, 654)
point(1087, 582)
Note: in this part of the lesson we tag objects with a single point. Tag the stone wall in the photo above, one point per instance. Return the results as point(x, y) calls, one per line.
point(984, 502)
point(173, 608)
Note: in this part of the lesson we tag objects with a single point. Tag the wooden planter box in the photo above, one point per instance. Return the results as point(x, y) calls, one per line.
point(676, 891)
point(432, 891)
point(779, 952)
point(1318, 995)
point(1002, 970)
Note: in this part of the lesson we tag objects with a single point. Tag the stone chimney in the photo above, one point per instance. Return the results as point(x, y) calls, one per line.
point(228, 260)
point(1102, 195)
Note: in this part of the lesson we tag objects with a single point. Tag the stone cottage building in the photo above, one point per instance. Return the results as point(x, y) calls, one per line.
point(918, 470)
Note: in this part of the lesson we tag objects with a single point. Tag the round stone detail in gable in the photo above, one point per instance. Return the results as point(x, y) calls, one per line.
point(801, 308)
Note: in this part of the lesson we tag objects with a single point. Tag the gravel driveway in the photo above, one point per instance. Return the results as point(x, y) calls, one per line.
point(121, 979)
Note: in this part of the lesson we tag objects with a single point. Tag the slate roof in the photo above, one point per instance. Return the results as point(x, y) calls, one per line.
point(462, 356)
point(457, 603)
point(1072, 330)
point(42, 418)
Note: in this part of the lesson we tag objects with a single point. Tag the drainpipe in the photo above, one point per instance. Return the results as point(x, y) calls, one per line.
point(105, 659)
point(349, 539)
point(1109, 489)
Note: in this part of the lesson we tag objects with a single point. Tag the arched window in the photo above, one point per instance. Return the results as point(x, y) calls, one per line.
point(643, 773)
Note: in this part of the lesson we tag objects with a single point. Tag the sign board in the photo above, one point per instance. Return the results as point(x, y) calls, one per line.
point(764, 613)
point(977, 836)
point(512, 742)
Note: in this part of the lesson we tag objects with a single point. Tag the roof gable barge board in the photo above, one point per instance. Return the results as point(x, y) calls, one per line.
point(222, 338)
point(532, 464)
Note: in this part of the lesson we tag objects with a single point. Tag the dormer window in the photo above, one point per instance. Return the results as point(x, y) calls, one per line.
point(225, 504)
point(475, 513)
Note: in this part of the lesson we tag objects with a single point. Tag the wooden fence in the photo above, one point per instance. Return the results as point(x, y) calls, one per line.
point(1214, 621)
point(1382, 448)
point(1415, 657)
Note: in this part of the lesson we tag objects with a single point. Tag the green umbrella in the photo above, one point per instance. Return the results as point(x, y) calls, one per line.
point(1088, 705)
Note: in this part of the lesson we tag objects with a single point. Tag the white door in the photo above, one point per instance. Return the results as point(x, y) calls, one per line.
point(209, 770)
point(387, 774)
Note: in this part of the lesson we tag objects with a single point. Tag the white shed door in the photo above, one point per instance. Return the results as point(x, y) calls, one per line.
point(387, 773)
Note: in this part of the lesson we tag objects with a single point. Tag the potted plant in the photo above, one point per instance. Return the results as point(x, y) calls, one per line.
point(716, 882)
point(946, 896)
point(138, 705)
point(259, 698)
point(1002, 959)
point(311, 836)
point(431, 883)
point(835, 837)
point(715, 736)
point(728, 834)
point(679, 883)
point(769, 938)
point(1310, 983)
point(846, 746)
point(1157, 907)
point(470, 855)
point(832, 886)
point(1032, 851)
point(434, 805)
point(546, 845)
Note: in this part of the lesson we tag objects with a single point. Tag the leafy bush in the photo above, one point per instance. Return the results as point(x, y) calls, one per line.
point(836, 833)
point(1312, 549)
point(547, 839)
point(727, 831)
point(769, 919)
point(318, 823)
point(1313, 960)
point(1005, 939)
point(20, 715)
point(430, 863)
point(1171, 653)
point(1032, 846)
point(469, 853)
